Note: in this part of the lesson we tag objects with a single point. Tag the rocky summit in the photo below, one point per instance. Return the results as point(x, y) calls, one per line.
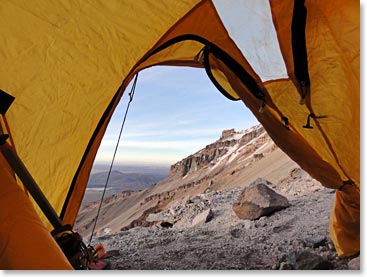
point(239, 203)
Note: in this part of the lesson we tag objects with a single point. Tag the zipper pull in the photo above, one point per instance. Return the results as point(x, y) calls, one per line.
point(312, 115)
point(199, 57)
point(308, 124)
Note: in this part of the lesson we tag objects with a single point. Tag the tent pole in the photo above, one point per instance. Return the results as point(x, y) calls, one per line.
point(28, 181)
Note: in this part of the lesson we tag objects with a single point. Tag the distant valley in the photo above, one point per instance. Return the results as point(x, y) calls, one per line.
point(120, 181)
point(122, 178)
point(131, 168)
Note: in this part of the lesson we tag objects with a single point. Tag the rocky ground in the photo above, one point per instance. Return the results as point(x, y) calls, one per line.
point(203, 232)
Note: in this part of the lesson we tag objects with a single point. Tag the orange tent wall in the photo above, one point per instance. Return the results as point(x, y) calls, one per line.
point(25, 242)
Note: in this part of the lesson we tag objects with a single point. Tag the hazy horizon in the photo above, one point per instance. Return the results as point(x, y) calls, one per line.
point(101, 166)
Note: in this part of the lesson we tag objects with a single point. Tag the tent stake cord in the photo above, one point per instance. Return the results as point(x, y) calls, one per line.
point(131, 95)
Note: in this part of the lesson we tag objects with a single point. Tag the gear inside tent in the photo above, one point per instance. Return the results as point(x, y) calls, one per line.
point(65, 66)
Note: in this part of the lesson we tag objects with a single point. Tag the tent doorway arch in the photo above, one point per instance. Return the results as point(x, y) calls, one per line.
point(175, 112)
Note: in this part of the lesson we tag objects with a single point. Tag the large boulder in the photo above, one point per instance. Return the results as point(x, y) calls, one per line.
point(258, 200)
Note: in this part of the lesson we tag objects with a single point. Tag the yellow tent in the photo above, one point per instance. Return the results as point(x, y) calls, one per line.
point(295, 64)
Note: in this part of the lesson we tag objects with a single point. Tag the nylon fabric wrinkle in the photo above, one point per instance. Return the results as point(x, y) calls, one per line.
point(39, 17)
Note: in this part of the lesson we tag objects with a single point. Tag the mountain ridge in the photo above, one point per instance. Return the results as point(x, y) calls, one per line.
point(231, 161)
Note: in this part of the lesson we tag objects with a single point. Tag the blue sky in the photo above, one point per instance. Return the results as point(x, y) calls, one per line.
point(176, 111)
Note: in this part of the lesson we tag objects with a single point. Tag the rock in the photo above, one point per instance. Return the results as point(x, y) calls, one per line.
point(153, 217)
point(331, 246)
point(297, 173)
point(354, 264)
point(158, 217)
point(113, 253)
point(258, 156)
point(261, 181)
point(166, 224)
point(258, 200)
point(227, 133)
point(203, 217)
point(247, 224)
point(107, 230)
point(261, 222)
point(235, 233)
point(194, 199)
point(315, 242)
point(305, 260)
point(285, 266)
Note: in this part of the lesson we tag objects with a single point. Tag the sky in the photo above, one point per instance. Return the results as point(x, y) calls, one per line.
point(176, 111)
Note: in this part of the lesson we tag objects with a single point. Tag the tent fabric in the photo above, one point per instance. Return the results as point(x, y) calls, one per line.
point(345, 221)
point(63, 62)
point(265, 58)
point(25, 242)
point(68, 63)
